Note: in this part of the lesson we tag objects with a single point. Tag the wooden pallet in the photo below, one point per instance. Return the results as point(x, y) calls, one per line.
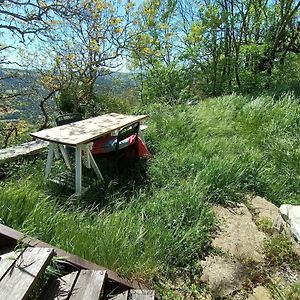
point(24, 274)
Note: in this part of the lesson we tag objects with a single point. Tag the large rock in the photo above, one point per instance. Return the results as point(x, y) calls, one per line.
point(267, 210)
point(291, 213)
point(239, 235)
point(260, 293)
point(223, 275)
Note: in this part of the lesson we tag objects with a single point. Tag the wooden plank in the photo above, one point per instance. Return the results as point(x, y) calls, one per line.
point(11, 237)
point(13, 153)
point(123, 296)
point(89, 285)
point(19, 281)
point(59, 288)
point(141, 295)
point(6, 261)
point(85, 131)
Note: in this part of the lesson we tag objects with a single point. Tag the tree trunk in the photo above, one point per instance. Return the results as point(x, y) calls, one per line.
point(43, 108)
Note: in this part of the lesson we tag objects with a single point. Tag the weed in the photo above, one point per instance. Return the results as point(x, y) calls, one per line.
point(279, 249)
point(286, 293)
point(265, 225)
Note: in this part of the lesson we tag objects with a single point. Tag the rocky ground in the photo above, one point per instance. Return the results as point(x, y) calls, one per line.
point(255, 257)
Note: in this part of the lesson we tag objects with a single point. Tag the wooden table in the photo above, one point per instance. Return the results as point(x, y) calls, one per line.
point(80, 136)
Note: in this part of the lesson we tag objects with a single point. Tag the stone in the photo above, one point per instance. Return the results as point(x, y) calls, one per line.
point(223, 275)
point(260, 293)
point(239, 235)
point(267, 210)
point(291, 213)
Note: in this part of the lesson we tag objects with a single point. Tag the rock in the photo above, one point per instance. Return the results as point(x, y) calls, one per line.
point(223, 275)
point(260, 293)
point(267, 210)
point(291, 213)
point(239, 235)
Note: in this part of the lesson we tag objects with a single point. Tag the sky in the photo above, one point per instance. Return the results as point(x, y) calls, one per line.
point(12, 54)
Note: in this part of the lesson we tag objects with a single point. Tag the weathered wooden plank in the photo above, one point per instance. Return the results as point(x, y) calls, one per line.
point(123, 296)
point(87, 130)
point(59, 288)
point(89, 285)
point(6, 261)
point(19, 281)
point(11, 236)
point(141, 295)
point(13, 153)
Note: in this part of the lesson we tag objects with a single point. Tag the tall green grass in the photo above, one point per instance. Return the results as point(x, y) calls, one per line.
point(214, 152)
point(230, 145)
point(149, 235)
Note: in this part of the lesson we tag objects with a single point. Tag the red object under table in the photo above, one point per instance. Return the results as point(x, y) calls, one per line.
point(107, 144)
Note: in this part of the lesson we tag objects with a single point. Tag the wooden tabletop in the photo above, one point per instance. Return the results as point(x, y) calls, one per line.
point(87, 130)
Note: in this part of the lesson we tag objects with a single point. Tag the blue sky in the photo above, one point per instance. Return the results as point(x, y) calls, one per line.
point(12, 54)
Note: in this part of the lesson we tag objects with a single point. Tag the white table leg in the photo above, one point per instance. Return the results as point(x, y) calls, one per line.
point(65, 156)
point(56, 152)
point(78, 170)
point(49, 159)
point(94, 165)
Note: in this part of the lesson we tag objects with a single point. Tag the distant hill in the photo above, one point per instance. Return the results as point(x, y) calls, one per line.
point(27, 107)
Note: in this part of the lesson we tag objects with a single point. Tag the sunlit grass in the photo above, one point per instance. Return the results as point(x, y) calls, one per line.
point(214, 152)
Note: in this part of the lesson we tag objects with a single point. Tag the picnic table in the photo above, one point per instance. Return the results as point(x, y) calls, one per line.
point(80, 136)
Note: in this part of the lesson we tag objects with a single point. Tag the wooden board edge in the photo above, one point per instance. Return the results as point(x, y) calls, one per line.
point(16, 236)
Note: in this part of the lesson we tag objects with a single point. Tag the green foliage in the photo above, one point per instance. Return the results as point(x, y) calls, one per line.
point(224, 47)
point(14, 133)
point(166, 84)
point(143, 238)
point(286, 293)
point(124, 100)
point(66, 100)
point(279, 249)
point(265, 225)
point(230, 145)
point(294, 292)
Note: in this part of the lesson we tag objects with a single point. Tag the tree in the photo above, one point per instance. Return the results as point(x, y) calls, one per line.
point(21, 22)
point(89, 44)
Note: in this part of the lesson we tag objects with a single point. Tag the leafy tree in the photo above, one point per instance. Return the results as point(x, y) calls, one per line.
point(90, 44)
point(222, 45)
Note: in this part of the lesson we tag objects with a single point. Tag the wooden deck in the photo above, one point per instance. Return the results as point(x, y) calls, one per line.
point(13, 153)
point(31, 269)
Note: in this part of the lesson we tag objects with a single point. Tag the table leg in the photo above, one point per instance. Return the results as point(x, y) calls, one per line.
point(78, 169)
point(49, 159)
point(56, 152)
point(65, 156)
point(94, 165)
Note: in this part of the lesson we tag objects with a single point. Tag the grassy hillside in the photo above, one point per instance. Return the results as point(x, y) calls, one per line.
point(213, 152)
